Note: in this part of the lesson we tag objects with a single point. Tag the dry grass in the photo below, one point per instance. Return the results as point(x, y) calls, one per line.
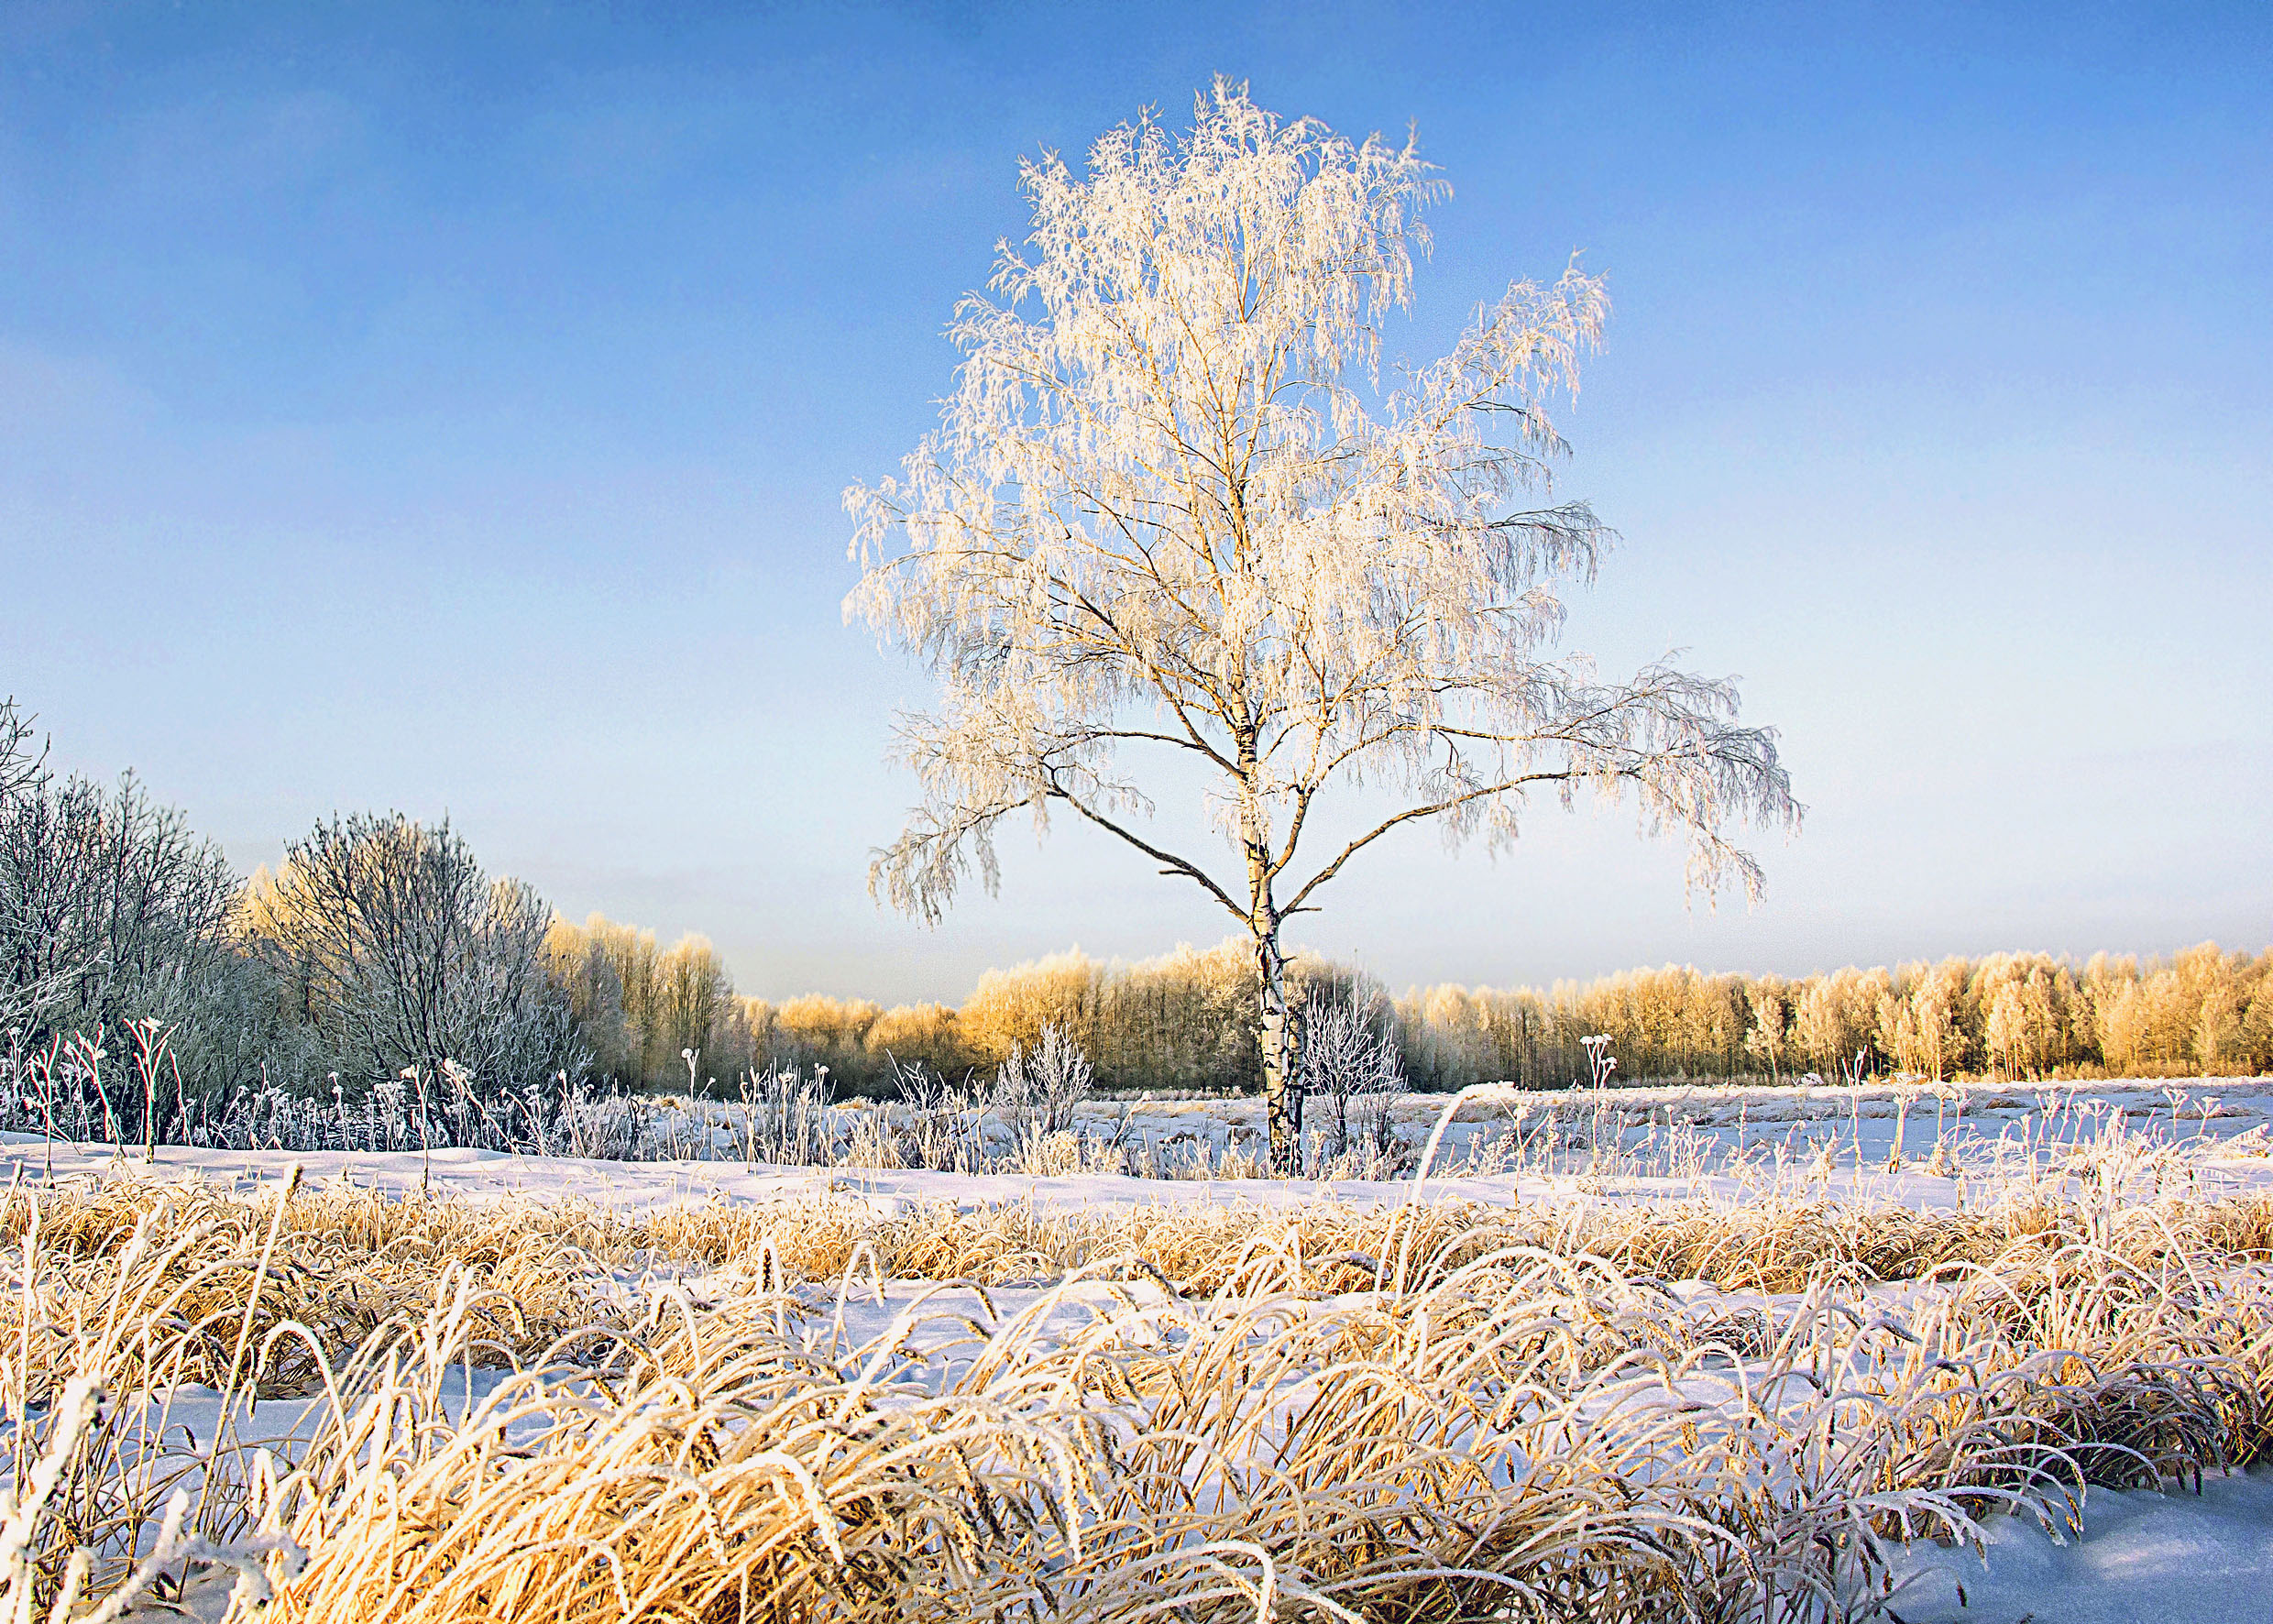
point(348, 1259)
point(1424, 1413)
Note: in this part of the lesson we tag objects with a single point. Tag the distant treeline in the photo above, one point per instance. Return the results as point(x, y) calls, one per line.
point(1184, 1021)
point(2017, 1015)
point(1187, 1020)
point(379, 952)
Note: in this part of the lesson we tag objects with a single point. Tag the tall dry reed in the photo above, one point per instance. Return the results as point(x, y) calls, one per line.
point(557, 1414)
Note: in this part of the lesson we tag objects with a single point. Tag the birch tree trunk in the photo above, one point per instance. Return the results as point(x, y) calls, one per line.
point(1281, 1105)
point(1275, 1030)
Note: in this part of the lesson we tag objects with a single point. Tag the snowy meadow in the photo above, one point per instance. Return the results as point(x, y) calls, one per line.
point(1658, 1353)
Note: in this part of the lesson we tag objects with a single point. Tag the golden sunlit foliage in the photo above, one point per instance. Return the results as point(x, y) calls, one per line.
point(641, 1005)
point(2015, 1015)
point(1187, 1020)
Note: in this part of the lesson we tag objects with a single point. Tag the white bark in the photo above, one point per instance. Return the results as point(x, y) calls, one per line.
point(1172, 507)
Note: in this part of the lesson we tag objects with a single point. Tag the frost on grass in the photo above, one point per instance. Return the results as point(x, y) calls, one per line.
point(818, 1406)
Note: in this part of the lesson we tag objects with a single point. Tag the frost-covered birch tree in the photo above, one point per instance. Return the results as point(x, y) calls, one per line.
point(1176, 505)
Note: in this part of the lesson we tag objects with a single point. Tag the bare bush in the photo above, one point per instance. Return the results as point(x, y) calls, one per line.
point(1349, 1047)
point(112, 911)
point(1037, 1090)
point(407, 958)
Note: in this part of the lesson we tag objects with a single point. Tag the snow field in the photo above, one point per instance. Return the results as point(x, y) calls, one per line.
point(657, 1391)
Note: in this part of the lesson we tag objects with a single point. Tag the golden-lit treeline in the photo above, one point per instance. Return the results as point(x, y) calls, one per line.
point(2011, 1014)
point(641, 1004)
point(1187, 1019)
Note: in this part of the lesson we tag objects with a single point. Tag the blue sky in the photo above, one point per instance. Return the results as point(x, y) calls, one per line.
point(446, 408)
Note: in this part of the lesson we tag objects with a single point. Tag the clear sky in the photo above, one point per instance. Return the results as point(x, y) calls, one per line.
point(445, 409)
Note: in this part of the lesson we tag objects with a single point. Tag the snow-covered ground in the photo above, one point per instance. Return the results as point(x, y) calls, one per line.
point(2142, 1558)
point(1716, 1144)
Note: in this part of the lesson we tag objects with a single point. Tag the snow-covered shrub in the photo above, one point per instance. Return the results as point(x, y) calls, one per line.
point(1349, 1047)
point(1037, 1090)
point(404, 954)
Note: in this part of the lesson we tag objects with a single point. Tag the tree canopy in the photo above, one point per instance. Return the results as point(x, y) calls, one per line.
point(1176, 504)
